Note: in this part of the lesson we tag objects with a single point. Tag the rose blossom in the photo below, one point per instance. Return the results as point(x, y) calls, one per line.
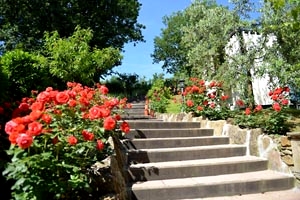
point(72, 140)
point(125, 127)
point(247, 111)
point(100, 145)
point(189, 103)
point(109, 123)
point(34, 128)
point(276, 107)
point(103, 89)
point(24, 141)
point(87, 135)
point(62, 97)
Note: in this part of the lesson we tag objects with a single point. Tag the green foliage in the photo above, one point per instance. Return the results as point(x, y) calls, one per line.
point(281, 19)
point(205, 37)
point(24, 22)
point(22, 71)
point(168, 47)
point(72, 59)
point(128, 85)
point(159, 95)
point(3, 84)
point(56, 139)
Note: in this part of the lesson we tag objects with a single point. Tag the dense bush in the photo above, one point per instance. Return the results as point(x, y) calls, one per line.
point(206, 99)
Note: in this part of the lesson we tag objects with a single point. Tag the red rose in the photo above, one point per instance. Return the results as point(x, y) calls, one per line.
point(35, 115)
point(199, 108)
point(118, 117)
point(72, 103)
point(24, 106)
point(109, 123)
point(24, 141)
point(100, 145)
point(212, 105)
point(87, 135)
point(103, 89)
point(189, 103)
point(34, 128)
point(285, 102)
point(247, 111)
point(239, 102)
point(72, 140)
point(224, 97)
point(62, 97)
point(125, 127)
point(258, 108)
point(276, 107)
point(46, 118)
point(95, 112)
point(10, 126)
point(43, 96)
point(37, 106)
point(13, 137)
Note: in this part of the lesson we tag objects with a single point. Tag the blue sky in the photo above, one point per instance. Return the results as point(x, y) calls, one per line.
point(137, 59)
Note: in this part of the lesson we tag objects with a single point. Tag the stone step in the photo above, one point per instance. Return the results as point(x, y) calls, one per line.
point(152, 143)
point(291, 194)
point(145, 124)
point(166, 133)
point(136, 106)
point(136, 117)
point(212, 186)
point(184, 153)
point(135, 111)
point(195, 168)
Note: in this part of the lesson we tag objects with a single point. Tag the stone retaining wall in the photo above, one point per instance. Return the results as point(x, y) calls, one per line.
point(277, 149)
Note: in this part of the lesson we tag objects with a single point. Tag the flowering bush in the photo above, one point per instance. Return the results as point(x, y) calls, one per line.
point(272, 120)
point(57, 136)
point(159, 96)
point(206, 99)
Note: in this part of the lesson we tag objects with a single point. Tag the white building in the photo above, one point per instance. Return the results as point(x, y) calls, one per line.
point(253, 42)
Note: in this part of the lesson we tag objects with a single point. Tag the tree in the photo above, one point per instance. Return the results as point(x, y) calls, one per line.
point(114, 22)
point(281, 18)
point(168, 47)
point(22, 72)
point(72, 59)
point(206, 36)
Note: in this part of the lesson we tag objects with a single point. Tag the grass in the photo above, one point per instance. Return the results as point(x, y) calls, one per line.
point(174, 106)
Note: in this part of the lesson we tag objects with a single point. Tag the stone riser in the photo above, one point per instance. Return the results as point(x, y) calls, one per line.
point(212, 186)
point(185, 153)
point(139, 124)
point(209, 167)
point(174, 142)
point(135, 111)
point(166, 133)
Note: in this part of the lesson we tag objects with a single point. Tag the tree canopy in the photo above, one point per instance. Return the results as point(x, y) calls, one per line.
point(24, 22)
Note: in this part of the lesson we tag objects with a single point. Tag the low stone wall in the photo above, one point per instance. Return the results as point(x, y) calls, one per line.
point(277, 150)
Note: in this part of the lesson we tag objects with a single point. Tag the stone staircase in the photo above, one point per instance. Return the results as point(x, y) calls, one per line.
point(181, 160)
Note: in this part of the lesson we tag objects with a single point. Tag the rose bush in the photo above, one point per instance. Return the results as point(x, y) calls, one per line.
point(206, 99)
point(272, 120)
point(57, 136)
point(159, 96)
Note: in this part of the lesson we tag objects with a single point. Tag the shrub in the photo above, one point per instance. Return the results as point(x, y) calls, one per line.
point(56, 137)
point(159, 96)
point(272, 120)
point(206, 99)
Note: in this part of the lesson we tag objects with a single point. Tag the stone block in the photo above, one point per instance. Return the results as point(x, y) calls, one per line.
point(287, 159)
point(285, 141)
